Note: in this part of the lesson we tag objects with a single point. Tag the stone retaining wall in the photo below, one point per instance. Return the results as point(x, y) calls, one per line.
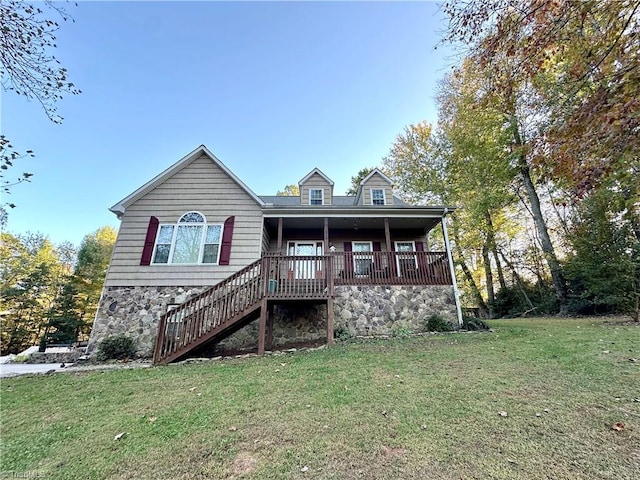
point(358, 310)
point(56, 357)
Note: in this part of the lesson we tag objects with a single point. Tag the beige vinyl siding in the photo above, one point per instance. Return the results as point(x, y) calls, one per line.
point(316, 182)
point(376, 181)
point(200, 186)
point(265, 240)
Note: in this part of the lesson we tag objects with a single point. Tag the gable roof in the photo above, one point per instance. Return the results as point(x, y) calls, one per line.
point(373, 172)
point(120, 207)
point(314, 171)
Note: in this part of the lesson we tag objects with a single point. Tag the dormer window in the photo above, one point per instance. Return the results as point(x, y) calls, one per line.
point(316, 196)
point(377, 196)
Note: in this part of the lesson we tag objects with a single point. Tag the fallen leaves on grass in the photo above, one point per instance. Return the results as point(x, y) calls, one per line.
point(119, 436)
point(503, 414)
point(153, 419)
point(618, 426)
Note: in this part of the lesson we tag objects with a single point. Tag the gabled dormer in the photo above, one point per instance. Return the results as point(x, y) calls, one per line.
point(375, 189)
point(316, 189)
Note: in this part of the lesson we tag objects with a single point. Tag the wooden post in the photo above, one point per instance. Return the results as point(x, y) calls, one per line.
point(269, 332)
point(262, 334)
point(326, 236)
point(279, 247)
point(330, 321)
point(387, 234)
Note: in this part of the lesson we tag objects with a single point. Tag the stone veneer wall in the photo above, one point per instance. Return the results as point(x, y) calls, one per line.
point(360, 310)
point(381, 310)
point(135, 312)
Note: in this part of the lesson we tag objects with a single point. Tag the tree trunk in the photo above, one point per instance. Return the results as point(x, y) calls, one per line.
point(475, 291)
point(541, 226)
point(491, 238)
point(488, 273)
point(518, 280)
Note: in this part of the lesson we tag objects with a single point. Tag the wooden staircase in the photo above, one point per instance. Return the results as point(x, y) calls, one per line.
point(211, 313)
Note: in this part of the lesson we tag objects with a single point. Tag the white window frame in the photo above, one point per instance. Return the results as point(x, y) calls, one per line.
point(399, 253)
point(384, 195)
point(361, 257)
point(175, 226)
point(321, 190)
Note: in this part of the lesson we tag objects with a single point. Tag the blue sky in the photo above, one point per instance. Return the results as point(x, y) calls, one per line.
point(273, 89)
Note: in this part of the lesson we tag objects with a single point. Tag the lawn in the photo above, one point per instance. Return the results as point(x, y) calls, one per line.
point(533, 399)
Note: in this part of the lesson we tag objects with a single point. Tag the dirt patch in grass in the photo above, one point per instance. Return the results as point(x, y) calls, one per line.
point(243, 464)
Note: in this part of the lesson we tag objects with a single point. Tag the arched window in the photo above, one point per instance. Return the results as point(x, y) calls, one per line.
point(189, 241)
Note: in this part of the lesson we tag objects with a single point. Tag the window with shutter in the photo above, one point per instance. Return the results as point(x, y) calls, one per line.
point(190, 241)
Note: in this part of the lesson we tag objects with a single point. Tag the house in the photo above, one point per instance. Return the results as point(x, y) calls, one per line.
point(202, 262)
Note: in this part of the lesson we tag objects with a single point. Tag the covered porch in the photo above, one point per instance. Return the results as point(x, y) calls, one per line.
point(356, 246)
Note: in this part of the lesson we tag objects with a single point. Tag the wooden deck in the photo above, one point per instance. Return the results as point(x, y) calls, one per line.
point(277, 278)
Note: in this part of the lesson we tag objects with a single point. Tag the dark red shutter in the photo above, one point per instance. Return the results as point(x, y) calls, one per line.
point(377, 259)
point(348, 259)
point(422, 264)
point(227, 234)
point(149, 241)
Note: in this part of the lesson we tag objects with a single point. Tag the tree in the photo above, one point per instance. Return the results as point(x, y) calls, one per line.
point(32, 277)
point(604, 269)
point(582, 59)
point(94, 256)
point(357, 179)
point(291, 190)
point(30, 70)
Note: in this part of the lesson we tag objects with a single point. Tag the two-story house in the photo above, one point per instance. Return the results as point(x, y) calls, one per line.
point(201, 260)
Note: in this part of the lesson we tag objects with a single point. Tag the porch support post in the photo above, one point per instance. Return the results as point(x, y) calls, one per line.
point(279, 236)
point(262, 333)
point(330, 321)
point(456, 295)
point(269, 330)
point(326, 236)
point(387, 234)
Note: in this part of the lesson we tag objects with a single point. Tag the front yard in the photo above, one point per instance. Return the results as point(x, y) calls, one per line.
point(534, 399)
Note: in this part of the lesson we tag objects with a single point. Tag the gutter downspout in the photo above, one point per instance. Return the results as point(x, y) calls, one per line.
point(456, 294)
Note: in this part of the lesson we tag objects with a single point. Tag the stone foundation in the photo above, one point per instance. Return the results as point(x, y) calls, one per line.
point(384, 310)
point(359, 310)
point(135, 312)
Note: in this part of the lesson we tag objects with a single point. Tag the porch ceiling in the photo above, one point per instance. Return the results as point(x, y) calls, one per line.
point(354, 223)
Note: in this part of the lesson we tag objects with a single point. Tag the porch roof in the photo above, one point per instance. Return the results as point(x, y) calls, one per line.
point(364, 217)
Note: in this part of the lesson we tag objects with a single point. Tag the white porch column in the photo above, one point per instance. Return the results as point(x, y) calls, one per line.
point(456, 294)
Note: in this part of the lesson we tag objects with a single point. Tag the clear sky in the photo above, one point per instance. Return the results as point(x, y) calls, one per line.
point(273, 89)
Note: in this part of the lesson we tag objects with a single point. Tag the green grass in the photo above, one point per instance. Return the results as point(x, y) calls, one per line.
point(403, 408)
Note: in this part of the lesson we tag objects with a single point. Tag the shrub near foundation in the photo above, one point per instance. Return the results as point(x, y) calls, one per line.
point(437, 323)
point(117, 347)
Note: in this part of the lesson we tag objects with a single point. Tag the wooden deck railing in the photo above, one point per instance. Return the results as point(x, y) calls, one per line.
point(281, 277)
point(391, 268)
point(234, 297)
